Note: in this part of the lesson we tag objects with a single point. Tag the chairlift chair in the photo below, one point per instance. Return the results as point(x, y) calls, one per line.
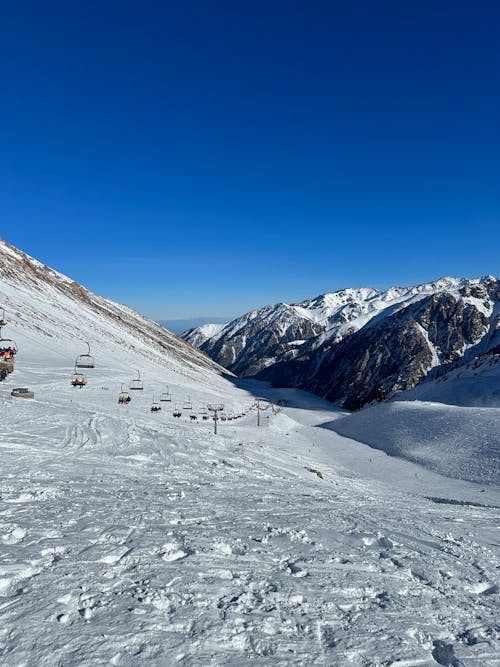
point(8, 346)
point(137, 384)
point(155, 406)
point(166, 396)
point(124, 397)
point(78, 380)
point(177, 411)
point(187, 404)
point(85, 360)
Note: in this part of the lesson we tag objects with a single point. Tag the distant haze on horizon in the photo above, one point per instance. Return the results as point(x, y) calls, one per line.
point(188, 158)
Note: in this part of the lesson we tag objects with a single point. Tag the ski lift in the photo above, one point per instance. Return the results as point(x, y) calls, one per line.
point(124, 397)
point(193, 417)
point(177, 411)
point(155, 406)
point(78, 380)
point(203, 412)
point(85, 360)
point(137, 384)
point(8, 347)
point(166, 396)
point(187, 404)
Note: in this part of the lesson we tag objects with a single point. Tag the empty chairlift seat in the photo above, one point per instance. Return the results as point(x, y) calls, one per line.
point(85, 360)
point(137, 384)
point(166, 396)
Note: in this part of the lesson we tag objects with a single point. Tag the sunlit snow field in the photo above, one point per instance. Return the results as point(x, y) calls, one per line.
point(132, 538)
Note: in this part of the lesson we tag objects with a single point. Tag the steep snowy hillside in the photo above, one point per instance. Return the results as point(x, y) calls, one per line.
point(59, 316)
point(130, 537)
point(357, 346)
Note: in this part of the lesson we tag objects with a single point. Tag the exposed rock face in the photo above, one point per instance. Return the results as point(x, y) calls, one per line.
point(396, 352)
point(249, 346)
point(357, 346)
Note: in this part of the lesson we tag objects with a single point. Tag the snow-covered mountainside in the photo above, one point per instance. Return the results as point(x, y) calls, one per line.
point(43, 301)
point(357, 346)
point(198, 335)
point(130, 537)
point(251, 342)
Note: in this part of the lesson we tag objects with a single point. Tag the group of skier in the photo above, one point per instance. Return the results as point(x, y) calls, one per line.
point(7, 352)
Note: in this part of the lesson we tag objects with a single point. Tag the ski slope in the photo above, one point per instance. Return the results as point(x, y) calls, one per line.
point(457, 441)
point(131, 538)
point(135, 538)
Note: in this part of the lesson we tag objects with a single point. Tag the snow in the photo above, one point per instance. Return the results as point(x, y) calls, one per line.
point(457, 441)
point(131, 538)
point(128, 538)
point(435, 361)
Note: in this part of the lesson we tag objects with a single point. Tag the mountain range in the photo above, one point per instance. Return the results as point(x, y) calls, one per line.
point(358, 346)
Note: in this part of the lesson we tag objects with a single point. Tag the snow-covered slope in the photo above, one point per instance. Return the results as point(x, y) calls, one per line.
point(56, 316)
point(135, 538)
point(456, 441)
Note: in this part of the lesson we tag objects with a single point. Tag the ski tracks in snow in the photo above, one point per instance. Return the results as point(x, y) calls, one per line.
point(124, 541)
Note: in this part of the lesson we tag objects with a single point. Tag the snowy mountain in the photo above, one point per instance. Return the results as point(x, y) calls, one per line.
point(357, 346)
point(129, 537)
point(251, 342)
point(47, 306)
point(196, 336)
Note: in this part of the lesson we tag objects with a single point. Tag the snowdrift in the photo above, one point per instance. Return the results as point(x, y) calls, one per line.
point(455, 441)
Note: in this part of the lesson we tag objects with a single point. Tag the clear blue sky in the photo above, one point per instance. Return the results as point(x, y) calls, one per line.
point(203, 158)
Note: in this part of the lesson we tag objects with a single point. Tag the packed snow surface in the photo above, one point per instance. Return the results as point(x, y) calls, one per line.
point(131, 538)
point(457, 441)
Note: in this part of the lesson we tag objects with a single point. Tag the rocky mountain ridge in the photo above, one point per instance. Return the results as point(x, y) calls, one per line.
point(359, 346)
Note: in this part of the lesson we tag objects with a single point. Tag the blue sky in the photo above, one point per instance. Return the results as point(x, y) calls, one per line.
point(195, 159)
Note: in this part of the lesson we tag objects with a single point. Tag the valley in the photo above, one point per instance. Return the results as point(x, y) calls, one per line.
point(131, 537)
